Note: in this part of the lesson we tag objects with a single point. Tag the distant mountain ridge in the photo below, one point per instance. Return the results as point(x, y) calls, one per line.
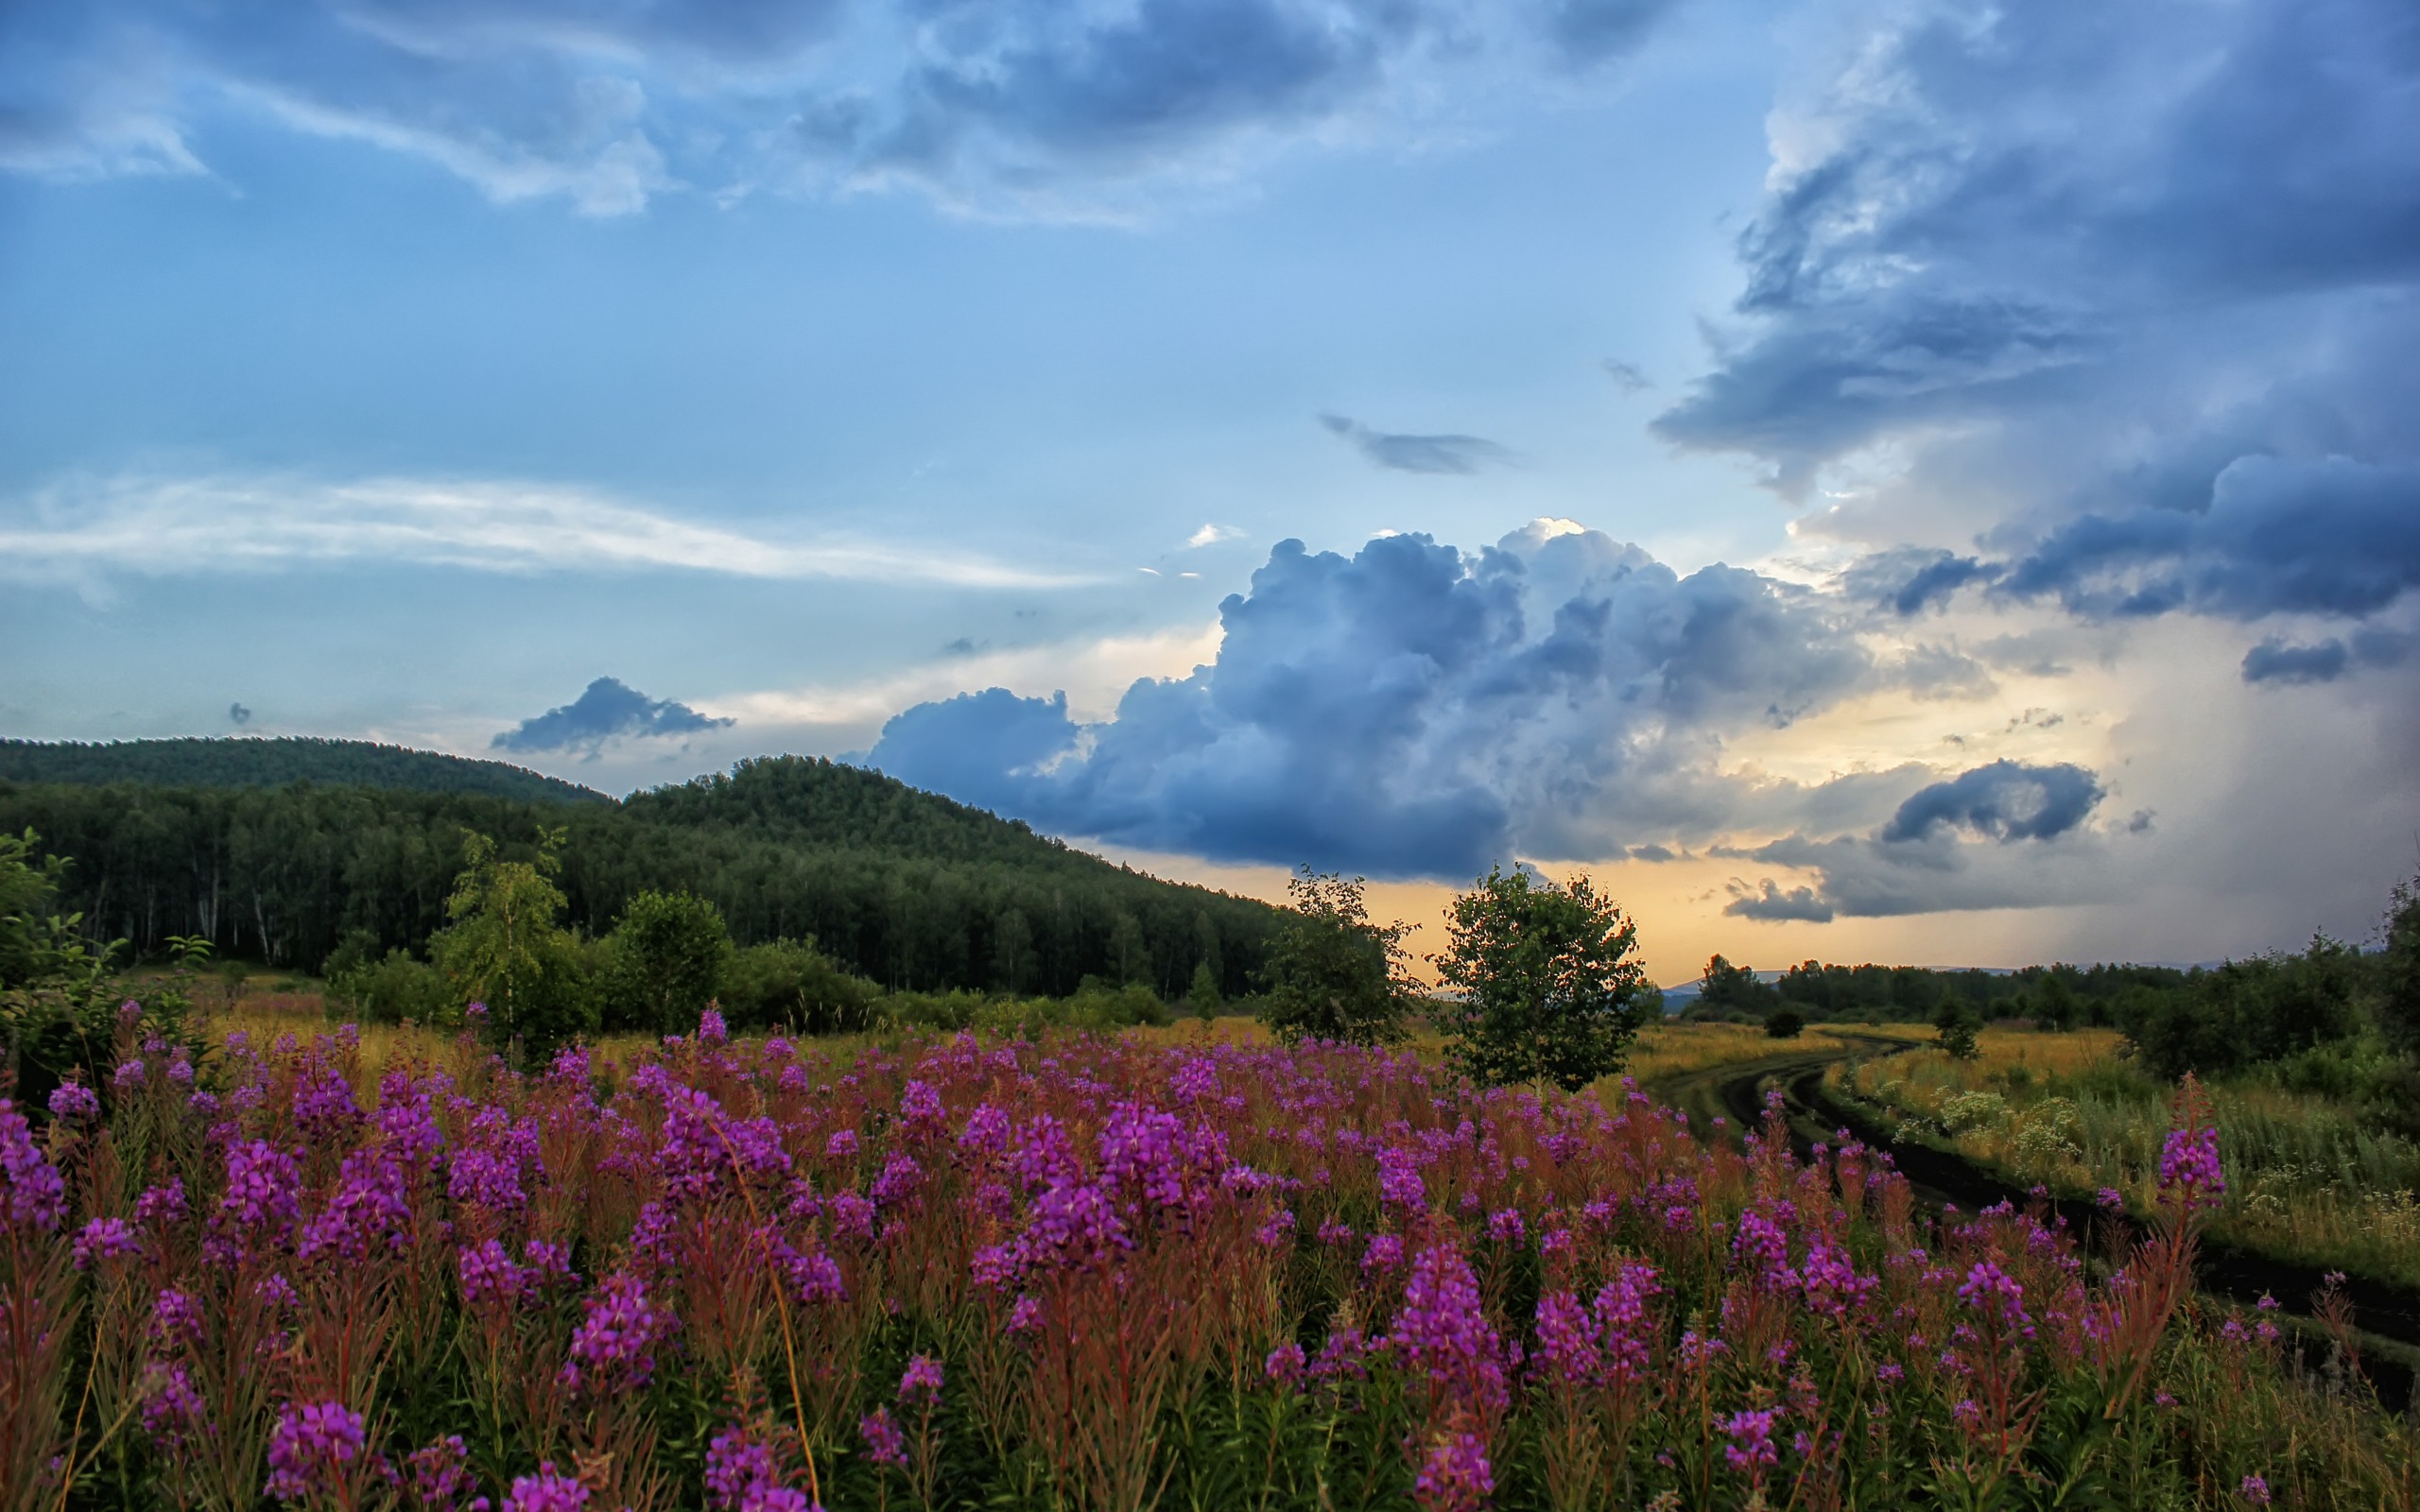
point(273, 761)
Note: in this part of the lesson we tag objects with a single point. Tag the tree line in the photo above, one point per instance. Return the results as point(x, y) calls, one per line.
point(907, 889)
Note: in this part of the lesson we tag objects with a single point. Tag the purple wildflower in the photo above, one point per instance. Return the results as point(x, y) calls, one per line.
point(2189, 1171)
point(71, 1100)
point(31, 1189)
point(310, 1448)
point(1454, 1476)
point(545, 1491)
point(1750, 1450)
point(105, 1239)
point(2255, 1490)
point(739, 1465)
point(613, 1349)
point(922, 1381)
point(884, 1443)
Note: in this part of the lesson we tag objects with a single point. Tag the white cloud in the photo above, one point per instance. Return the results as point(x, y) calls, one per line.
point(1094, 674)
point(161, 526)
point(1212, 535)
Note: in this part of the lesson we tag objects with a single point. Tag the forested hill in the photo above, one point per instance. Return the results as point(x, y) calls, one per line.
point(273, 761)
point(906, 888)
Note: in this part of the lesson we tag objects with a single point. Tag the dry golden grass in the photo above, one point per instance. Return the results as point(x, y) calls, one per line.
point(2306, 1178)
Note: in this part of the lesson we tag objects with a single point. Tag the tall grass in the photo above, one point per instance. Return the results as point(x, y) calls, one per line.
point(2307, 1179)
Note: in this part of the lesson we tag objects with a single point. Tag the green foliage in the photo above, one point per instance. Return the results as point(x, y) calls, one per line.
point(507, 949)
point(1202, 995)
point(1727, 991)
point(2248, 1011)
point(255, 761)
point(1334, 974)
point(393, 989)
point(2398, 971)
point(664, 963)
point(1958, 1026)
point(1096, 1006)
point(790, 984)
point(906, 889)
point(56, 1009)
point(1784, 1024)
point(1549, 983)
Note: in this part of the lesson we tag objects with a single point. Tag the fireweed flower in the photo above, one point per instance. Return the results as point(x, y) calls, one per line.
point(105, 1239)
point(73, 1100)
point(32, 1192)
point(162, 1206)
point(172, 1409)
point(2255, 1490)
point(740, 1466)
point(264, 1191)
point(128, 1077)
point(310, 1448)
point(1385, 1253)
point(1994, 1292)
point(711, 1028)
point(490, 1276)
point(1442, 1331)
point(545, 1491)
point(440, 1479)
point(2189, 1174)
point(1568, 1350)
point(921, 1383)
point(613, 1349)
point(1285, 1364)
point(884, 1443)
point(1454, 1476)
point(1750, 1450)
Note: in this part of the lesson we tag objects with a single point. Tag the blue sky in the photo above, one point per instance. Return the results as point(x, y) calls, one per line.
point(911, 379)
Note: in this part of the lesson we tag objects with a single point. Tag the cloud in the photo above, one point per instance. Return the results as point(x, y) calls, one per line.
point(1771, 905)
point(2277, 660)
point(1418, 454)
point(1627, 376)
point(2093, 276)
point(170, 526)
point(607, 710)
point(1018, 107)
point(238, 714)
point(1416, 711)
point(1211, 535)
point(2333, 537)
point(2007, 800)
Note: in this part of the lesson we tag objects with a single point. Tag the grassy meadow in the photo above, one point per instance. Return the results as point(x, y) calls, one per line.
point(2307, 1178)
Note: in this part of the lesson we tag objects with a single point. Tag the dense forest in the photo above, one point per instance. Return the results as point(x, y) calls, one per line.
point(904, 887)
point(274, 761)
point(1819, 990)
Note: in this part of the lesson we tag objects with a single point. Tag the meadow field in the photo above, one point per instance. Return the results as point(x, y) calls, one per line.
point(1178, 1267)
point(2308, 1179)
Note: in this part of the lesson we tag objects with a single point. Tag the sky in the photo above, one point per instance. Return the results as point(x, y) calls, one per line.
point(1863, 479)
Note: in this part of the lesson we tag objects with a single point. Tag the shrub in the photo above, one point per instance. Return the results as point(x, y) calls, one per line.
point(1784, 1024)
point(792, 985)
point(664, 961)
point(391, 989)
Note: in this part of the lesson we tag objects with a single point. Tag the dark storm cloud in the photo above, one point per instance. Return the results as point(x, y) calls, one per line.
point(1002, 102)
point(1910, 580)
point(1417, 711)
point(2275, 660)
point(1417, 454)
point(608, 710)
point(2091, 260)
point(2007, 800)
point(1771, 904)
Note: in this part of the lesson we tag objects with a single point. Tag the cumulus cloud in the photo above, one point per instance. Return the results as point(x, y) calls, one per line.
point(2126, 292)
point(1771, 904)
point(160, 526)
point(609, 709)
point(1417, 454)
point(2277, 659)
point(1417, 711)
point(1210, 534)
point(2006, 800)
point(999, 106)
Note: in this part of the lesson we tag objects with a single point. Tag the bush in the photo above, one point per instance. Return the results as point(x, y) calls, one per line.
point(2246, 1012)
point(790, 984)
point(662, 963)
point(1333, 974)
point(392, 990)
point(1784, 1024)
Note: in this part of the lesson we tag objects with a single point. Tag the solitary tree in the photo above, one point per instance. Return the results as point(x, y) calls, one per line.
point(1784, 1024)
point(668, 955)
point(1548, 983)
point(1333, 974)
point(1202, 996)
point(505, 950)
point(1957, 1024)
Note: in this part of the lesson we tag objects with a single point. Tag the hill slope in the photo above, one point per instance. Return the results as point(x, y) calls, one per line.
point(273, 761)
point(904, 887)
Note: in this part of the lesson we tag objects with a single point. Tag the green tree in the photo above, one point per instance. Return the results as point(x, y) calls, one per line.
point(666, 962)
point(1549, 983)
point(2399, 970)
point(1332, 973)
point(1957, 1024)
point(1202, 996)
point(2057, 1008)
point(505, 949)
point(790, 984)
point(1733, 990)
point(1784, 1024)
